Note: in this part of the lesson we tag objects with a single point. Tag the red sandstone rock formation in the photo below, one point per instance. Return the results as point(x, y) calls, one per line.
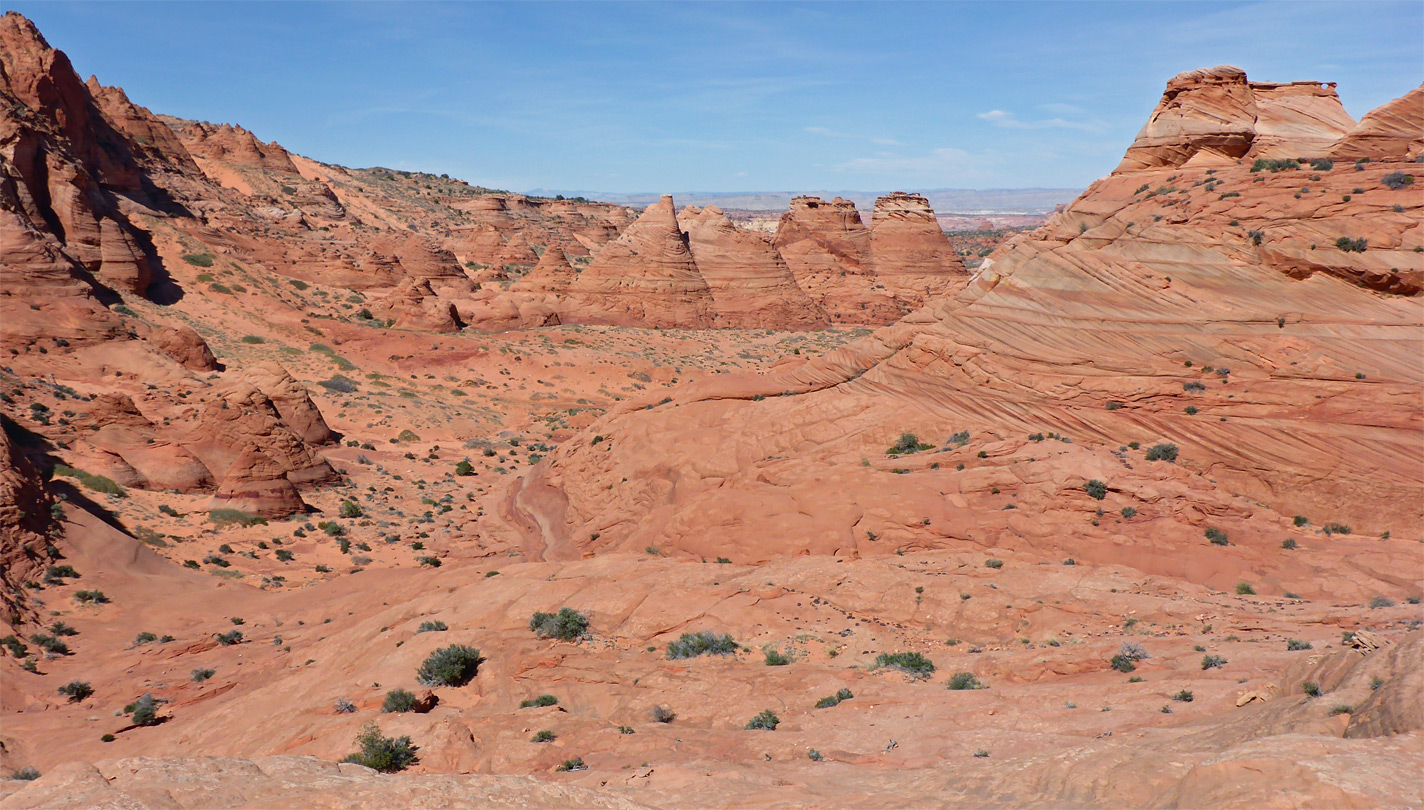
point(231, 144)
point(1391, 131)
point(257, 484)
point(1214, 116)
point(751, 286)
point(913, 260)
point(415, 305)
point(647, 278)
point(291, 399)
point(553, 274)
point(184, 345)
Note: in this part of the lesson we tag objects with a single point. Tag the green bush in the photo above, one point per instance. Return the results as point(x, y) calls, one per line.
point(399, 700)
point(1216, 536)
point(199, 259)
point(1212, 662)
point(1349, 245)
point(223, 517)
point(76, 691)
point(1245, 589)
point(543, 737)
point(201, 674)
point(351, 509)
point(1184, 696)
point(145, 711)
point(776, 659)
point(26, 775)
point(766, 720)
point(1289, 544)
point(1096, 489)
point(434, 626)
point(911, 662)
point(539, 702)
point(98, 483)
point(706, 642)
point(253, 339)
point(908, 443)
point(964, 680)
point(230, 638)
point(575, 764)
point(464, 468)
point(1310, 688)
point(834, 700)
point(993, 563)
point(1397, 180)
point(1122, 663)
point(455, 665)
point(566, 625)
point(91, 597)
point(1296, 644)
point(381, 753)
point(1262, 164)
point(1162, 452)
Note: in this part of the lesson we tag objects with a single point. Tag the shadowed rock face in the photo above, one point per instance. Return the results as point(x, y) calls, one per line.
point(751, 286)
point(648, 276)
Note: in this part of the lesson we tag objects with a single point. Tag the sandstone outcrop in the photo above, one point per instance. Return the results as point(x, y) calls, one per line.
point(750, 284)
point(415, 305)
point(913, 260)
point(231, 144)
point(258, 485)
point(290, 397)
point(1392, 131)
point(184, 345)
point(553, 274)
point(648, 277)
point(1214, 116)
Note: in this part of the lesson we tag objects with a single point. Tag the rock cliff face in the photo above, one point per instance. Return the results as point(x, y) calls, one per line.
point(232, 144)
point(648, 276)
point(750, 284)
point(25, 506)
point(1214, 116)
point(64, 164)
point(913, 260)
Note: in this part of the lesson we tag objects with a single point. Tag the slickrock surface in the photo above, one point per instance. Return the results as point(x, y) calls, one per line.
point(1154, 533)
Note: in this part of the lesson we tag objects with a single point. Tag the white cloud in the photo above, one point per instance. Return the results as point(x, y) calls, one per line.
point(1007, 120)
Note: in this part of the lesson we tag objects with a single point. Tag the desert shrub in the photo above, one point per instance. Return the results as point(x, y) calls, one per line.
point(91, 597)
point(351, 509)
point(1310, 688)
point(1216, 536)
point(145, 710)
point(230, 638)
point(1381, 602)
point(199, 259)
point(76, 690)
point(1300, 520)
point(766, 720)
point(1296, 644)
point(1397, 180)
point(26, 775)
point(16, 647)
point(97, 483)
point(298, 283)
point(1212, 662)
point(253, 339)
point(145, 638)
point(1349, 245)
point(1096, 489)
point(223, 517)
point(539, 702)
point(834, 700)
point(1122, 663)
point(543, 737)
point(1245, 589)
point(284, 555)
point(399, 700)
point(433, 626)
point(1289, 544)
point(1322, 164)
point(464, 468)
point(964, 680)
point(776, 659)
point(408, 435)
point(566, 625)
point(1133, 650)
point(706, 642)
point(1184, 696)
point(1335, 528)
point(910, 662)
point(908, 443)
point(339, 384)
point(662, 714)
point(449, 666)
point(575, 764)
point(1262, 164)
point(382, 753)
point(1129, 512)
point(1162, 452)
point(201, 674)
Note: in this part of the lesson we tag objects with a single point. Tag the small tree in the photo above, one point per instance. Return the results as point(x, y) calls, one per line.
point(145, 712)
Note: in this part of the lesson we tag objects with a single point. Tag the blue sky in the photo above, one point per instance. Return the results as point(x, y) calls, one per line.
point(633, 97)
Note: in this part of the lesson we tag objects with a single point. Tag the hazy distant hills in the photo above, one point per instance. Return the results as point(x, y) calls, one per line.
point(944, 200)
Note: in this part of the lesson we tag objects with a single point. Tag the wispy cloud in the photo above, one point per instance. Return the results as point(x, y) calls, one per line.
point(1007, 120)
